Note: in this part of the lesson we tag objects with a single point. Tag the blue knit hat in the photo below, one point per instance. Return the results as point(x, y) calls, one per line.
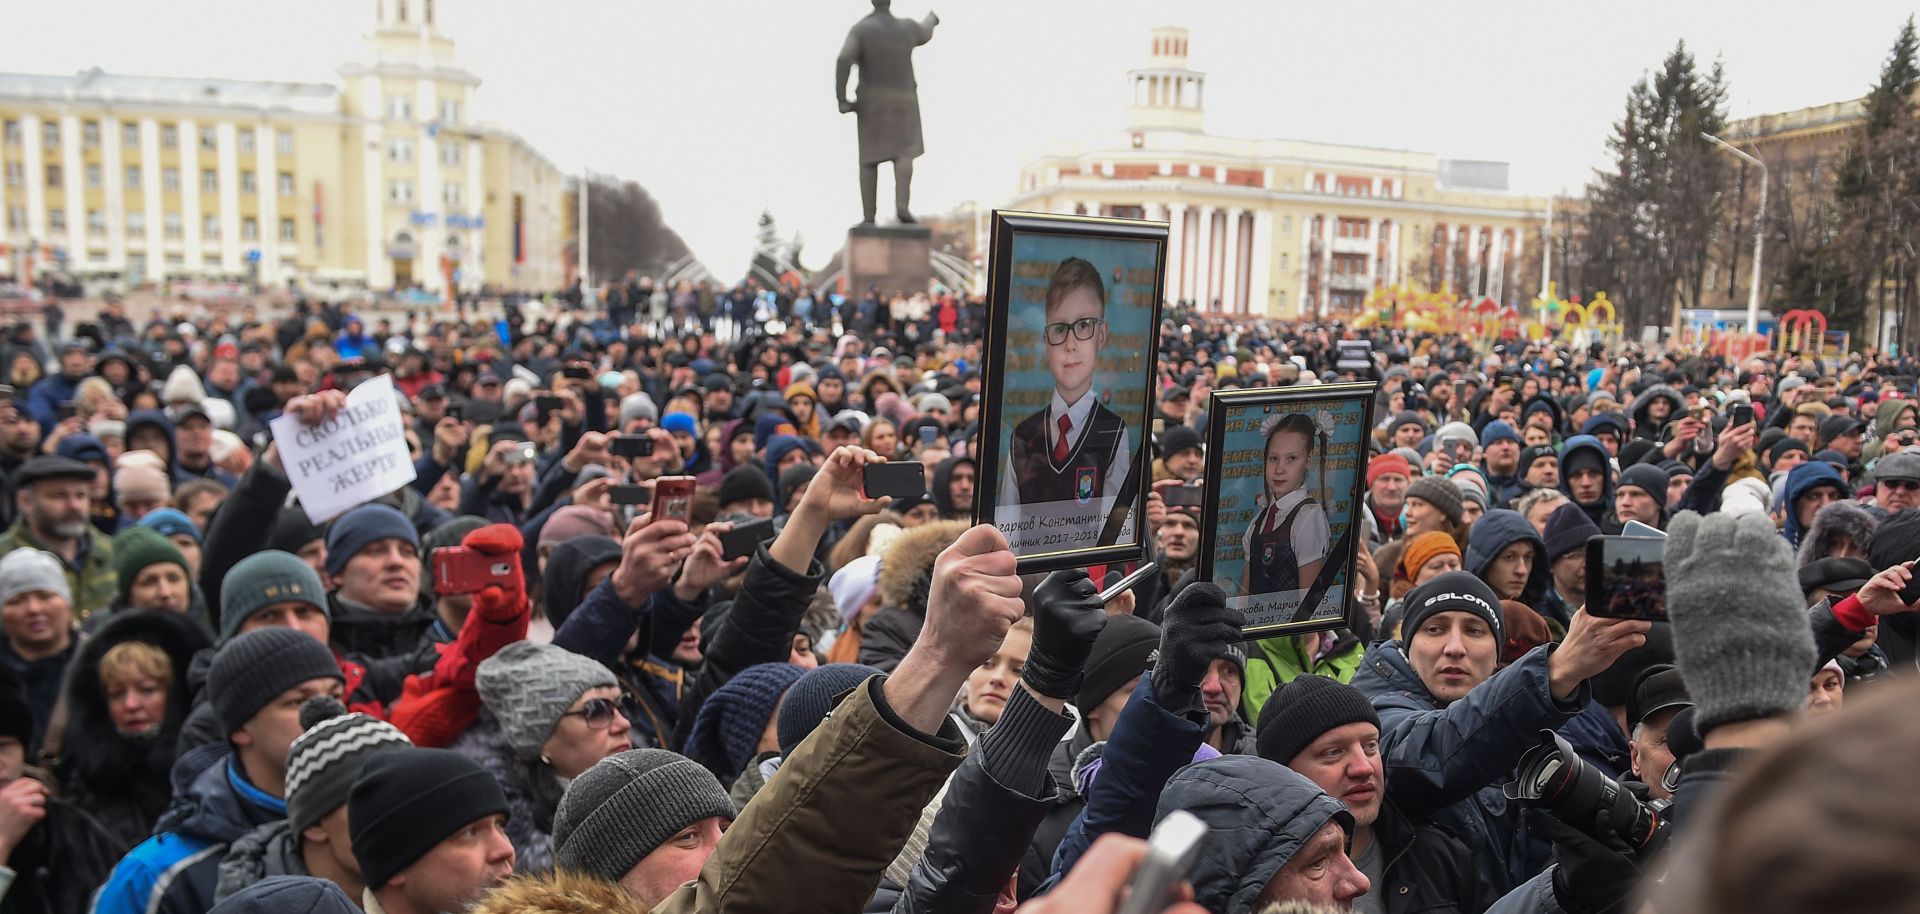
point(812, 696)
point(1498, 431)
point(361, 527)
point(170, 521)
point(679, 422)
point(729, 725)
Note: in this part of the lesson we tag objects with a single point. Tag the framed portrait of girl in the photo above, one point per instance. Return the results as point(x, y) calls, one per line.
point(1282, 506)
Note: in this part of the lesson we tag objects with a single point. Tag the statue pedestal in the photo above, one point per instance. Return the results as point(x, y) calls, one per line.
point(890, 258)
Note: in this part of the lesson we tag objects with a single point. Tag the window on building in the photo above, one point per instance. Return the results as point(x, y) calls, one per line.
point(16, 174)
point(54, 177)
point(209, 140)
point(96, 222)
point(12, 131)
point(1285, 262)
point(57, 219)
point(90, 134)
point(249, 228)
point(246, 141)
point(287, 230)
point(400, 11)
point(176, 260)
point(210, 226)
point(133, 178)
point(286, 184)
point(169, 136)
point(450, 194)
point(136, 222)
point(172, 225)
point(96, 177)
point(400, 150)
point(16, 218)
point(130, 135)
point(426, 11)
point(449, 111)
point(49, 134)
point(399, 108)
point(210, 261)
point(400, 191)
point(249, 183)
point(283, 142)
point(209, 181)
point(1286, 224)
point(1359, 229)
point(450, 153)
point(170, 179)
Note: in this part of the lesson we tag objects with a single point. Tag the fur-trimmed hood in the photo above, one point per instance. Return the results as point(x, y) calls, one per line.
point(557, 893)
point(906, 569)
point(1639, 409)
point(1841, 517)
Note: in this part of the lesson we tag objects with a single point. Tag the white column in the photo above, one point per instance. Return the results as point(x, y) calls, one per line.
point(1306, 266)
point(374, 195)
point(473, 263)
point(190, 193)
point(1259, 289)
point(1396, 276)
point(1496, 266)
point(36, 178)
point(116, 182)
point(1326, 263)
point(227, 154)
point(266, 164)
point(74, 177)
point(150, 191)
point(1176, 249)
point(426, 265)
point(1230, 282)
point(1208, 257)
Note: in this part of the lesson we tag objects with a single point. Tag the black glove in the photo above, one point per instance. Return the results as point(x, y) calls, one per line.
point(1595, 876)
point(1198, 630)
point(1066, 620)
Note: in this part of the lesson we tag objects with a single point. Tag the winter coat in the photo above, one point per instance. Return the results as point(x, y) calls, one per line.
point(378, 635)
point(46, 395)
point(1277, 661)
point(942, 493)
point(1064, 812)
point(887, 635)
point(599, 628)
point(1597, 738)
point(533, 791)
point(236, 530)
point(124, 781)
point(1492, 534)
point(270, 850)
point(1885, 417)
point(177, 870)
point(558, 892)
point(1645, 427)
point(1447, 764)
point(1842, 517)
point(758, 629)
point(1425, 870)
point(60, 861)
point(1596, 512)
point(40, 682)
point(1258, 823)
point(1801, 480)
point(93, 584)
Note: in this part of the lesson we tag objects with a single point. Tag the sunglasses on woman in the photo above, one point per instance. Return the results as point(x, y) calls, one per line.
point(598, 712)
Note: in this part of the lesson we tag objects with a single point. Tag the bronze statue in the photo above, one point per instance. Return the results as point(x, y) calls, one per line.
point(888, 106)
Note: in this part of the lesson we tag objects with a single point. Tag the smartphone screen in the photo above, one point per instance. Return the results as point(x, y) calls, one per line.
point(898, 480)
point(1626, 578)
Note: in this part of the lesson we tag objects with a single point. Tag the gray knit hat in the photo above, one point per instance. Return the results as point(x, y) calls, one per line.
point(618, 811)
point(323, 761)
point(1441, 493)
point(28, 570)
point(255, 667)
point(262, 580)
point(529, 686)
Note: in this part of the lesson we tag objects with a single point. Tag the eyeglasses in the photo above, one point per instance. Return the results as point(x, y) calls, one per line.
point(1900, 485)
point(1082, 330)
point(598, 712)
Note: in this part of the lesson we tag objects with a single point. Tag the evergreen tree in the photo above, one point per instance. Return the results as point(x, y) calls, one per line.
point(1877, 197)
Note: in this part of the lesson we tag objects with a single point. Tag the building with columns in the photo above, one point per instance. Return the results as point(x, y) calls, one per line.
point(387, 180)
point(1287, 228)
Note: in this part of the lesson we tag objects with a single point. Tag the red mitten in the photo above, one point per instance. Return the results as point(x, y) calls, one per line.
point(507, 599)
point(434, 717)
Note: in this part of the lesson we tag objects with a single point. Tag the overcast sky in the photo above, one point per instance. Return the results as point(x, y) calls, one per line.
point(724, 107)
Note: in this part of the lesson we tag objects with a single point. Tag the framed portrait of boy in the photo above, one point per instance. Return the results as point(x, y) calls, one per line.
point(1067, 374)
point(1281, 512)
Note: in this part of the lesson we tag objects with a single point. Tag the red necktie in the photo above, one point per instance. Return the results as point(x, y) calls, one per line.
point(1060, 443)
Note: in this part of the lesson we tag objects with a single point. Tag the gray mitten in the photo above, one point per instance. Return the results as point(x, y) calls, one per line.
point(1740, 632)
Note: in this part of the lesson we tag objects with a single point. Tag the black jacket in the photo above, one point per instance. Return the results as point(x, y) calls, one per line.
point(1427, 868)
point(886, 636)
point(759, 629)
point(238, 528)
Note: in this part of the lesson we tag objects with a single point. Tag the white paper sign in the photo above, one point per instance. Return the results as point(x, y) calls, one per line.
point(357, 456)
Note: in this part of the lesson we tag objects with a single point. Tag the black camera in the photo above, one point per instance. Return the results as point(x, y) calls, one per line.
point(1554, 777)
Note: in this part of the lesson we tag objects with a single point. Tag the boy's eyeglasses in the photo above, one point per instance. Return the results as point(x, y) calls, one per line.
point(1082, 330)
point(598, 712)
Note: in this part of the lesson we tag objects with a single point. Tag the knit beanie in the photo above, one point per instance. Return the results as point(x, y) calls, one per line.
point(135, 548)
point(1740, 632)
point(1568, 528)
point(1421, 550)
point(528, 686)
point(854, 585)
point(326, 758)
point(253, 669)
point(292, 530)
point(1298, 712)
point(28, 570)
point(731, 721)
point(1529, 455)
point(1647, 478)
point(263, 579)
point(169, 522)
point(1455, 591)
point(795, 478)
point(681, 422)
point(1497, 431)
point(575, 520)
point(1582, 458)
point(362, 527)
point(408, 800)
point(743, 482)
point(288, 895)
point(1459, 430)
point(813, 695)
point(1434, 490)
point(1179, 438)
point(637, 406)
point(138, 482)
point(617, 812)
point(1385, 464)
point(1123, 650)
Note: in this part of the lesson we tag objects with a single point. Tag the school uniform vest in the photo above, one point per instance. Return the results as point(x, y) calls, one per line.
point(1270, 560)
point(1082, 476)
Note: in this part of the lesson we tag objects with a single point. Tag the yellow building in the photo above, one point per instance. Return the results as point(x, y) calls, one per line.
point(1287, 228)
point(384, 182)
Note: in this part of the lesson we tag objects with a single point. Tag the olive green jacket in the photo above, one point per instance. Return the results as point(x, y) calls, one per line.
point(94, 583)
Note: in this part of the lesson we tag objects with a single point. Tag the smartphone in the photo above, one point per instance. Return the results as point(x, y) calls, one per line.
point(457, 569)
point(67, 409)
point(673, 499)
point(577, 372)
point(906, 479)
point(632, 446)
point(630, 495)
point(1626, 578)
point(1185, 496)
point(1910, 594)
point(547, 406)
point(744, 538)
point(1159, 427)
point(455, 411)
point(1742, 415)
point(1636, 528)
point(1119, 587)
point(1171, 850)
point(927, 434)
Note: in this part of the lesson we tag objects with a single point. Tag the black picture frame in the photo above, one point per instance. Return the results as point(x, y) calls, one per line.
point(1224, 408)
point(991, 453)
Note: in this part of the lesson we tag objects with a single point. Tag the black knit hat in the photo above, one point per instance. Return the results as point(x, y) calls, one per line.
point(1123, 650)
point(1455, 591)
point(743, 482)
point(1568, 528)
point(1441, 493)
point(408, 800)
point(254, 667)
point(1297, 713)
point(1529, 455)
point(1178, 438)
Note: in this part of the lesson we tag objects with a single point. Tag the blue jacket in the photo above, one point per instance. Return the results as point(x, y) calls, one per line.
point(177, 870)
point(46, 395)
point(1447, 764)
point(599, 628)
point(1801, 480)
point(1598, 739)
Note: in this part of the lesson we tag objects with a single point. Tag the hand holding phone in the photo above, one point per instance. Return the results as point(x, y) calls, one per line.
point(457, 569)
point(745, 538)
point(1171, 850)
point(906, 479)
point(673, 499)
point(1626, 578)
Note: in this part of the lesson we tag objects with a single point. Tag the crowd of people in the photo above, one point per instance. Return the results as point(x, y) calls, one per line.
point(211, 703)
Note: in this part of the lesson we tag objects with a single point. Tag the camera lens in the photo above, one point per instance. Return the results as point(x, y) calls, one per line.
point(1554, 777)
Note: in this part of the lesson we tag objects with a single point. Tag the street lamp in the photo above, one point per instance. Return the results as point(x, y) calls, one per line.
point(1759, 228)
